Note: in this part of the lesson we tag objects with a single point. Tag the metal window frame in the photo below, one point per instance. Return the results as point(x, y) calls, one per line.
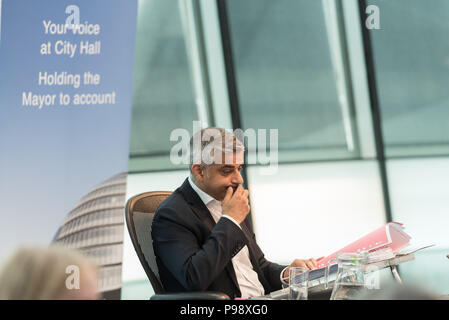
point(375, 108)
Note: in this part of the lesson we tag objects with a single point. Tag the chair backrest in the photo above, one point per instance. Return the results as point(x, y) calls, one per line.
point(139, 213)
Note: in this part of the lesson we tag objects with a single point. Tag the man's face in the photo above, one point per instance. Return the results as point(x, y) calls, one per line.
point(216, 178)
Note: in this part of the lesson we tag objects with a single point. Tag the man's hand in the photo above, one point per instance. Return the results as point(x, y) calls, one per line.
point(310, 264)
point(236, 205)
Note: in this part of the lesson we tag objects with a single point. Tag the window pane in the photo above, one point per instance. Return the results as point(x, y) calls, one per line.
point(285, 76)
point(411, 57)
point(314, 209)
point(423, 210)
point(163, 96)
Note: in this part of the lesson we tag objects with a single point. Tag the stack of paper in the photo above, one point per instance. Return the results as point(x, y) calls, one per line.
point(390, 237)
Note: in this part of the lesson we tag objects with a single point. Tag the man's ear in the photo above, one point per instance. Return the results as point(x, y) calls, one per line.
point(198, 171)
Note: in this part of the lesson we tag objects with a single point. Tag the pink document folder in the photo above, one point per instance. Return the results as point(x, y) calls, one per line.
point(390, 235)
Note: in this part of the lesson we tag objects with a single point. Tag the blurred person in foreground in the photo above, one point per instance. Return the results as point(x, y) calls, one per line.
point(396, 291)
point(48, 273)
point(201, 234)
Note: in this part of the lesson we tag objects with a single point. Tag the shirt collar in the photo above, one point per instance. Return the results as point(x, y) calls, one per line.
point(203, 195)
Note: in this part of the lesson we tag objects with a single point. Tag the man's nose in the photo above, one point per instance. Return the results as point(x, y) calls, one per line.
point(237, 178)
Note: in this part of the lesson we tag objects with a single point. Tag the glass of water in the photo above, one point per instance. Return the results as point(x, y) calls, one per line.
point(299, 281)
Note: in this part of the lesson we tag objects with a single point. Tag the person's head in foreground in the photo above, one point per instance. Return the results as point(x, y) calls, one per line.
point(48, 273)
point(216, 160)
point(395, 291)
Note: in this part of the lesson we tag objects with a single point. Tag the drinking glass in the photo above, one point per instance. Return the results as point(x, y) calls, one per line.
point(299, 281)
point(350, 279)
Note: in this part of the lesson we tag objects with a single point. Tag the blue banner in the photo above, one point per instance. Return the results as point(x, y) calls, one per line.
point(66, 71)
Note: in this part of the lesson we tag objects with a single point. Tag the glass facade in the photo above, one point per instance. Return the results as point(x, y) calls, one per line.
point(412, 71)
point(163, 96)
point(312, 70)
point(289, 42)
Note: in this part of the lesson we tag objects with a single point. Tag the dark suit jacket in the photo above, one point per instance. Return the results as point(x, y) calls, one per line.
point(193, 253)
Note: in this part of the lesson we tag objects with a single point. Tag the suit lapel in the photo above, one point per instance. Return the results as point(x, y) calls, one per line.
point(201, 211)
point(197, 205)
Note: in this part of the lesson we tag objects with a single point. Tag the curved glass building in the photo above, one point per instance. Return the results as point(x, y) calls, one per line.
point(95, 227)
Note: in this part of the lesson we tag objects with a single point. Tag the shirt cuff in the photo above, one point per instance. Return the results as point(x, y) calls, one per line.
point(232, 219)
point(282, 279)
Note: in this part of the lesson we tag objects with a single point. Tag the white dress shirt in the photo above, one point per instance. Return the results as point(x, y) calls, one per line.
point(247, 278)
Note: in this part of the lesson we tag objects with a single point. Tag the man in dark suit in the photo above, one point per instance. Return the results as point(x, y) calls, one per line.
point(201, 237)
